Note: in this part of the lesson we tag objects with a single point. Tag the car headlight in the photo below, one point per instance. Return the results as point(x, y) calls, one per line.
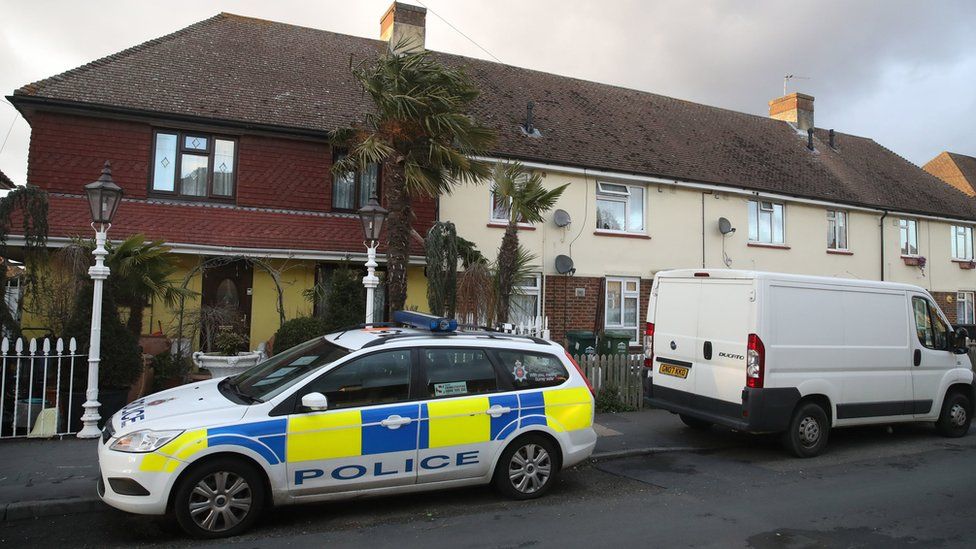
point(143, 441)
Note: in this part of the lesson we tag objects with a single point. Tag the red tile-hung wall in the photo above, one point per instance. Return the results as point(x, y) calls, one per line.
point(67, 151)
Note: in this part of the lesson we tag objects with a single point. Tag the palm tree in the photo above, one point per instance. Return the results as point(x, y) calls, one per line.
point(421, 135)
point(141, 271)
point(527, 200)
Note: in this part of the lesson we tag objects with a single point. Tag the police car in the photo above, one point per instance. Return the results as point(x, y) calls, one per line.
point(367, 411)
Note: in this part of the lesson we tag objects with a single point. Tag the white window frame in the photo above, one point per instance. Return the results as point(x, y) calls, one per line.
point(905, 242)
point(624, 295)
point(500, 220)
point(760, 206)
point(523, 290)
point(961, 242)
point(834, 232)
point(963, 298)
point(605, 191)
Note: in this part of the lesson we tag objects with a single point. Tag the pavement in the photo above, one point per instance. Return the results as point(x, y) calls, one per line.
point(54, 477)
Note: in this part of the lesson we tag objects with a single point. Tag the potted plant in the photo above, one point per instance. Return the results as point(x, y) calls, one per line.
point(231, 356)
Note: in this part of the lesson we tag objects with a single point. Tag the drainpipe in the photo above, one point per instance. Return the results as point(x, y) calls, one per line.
point(703, 228)
point(884, 214)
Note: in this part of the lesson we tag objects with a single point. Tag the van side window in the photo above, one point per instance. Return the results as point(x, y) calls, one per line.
point(457, 372)
point(379, 378)
point(532, 370)
point(932, 331)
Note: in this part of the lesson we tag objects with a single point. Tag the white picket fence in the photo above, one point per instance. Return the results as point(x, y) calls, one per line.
point(37, 389)
point(536, 327)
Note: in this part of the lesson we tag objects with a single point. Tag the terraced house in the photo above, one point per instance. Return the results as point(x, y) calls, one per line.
point(217, 134)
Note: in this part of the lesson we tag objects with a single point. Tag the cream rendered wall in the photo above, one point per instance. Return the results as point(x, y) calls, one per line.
point(673, 236)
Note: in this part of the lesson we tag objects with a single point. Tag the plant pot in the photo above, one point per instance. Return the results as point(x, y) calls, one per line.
point(111, 400)
point(223, 365)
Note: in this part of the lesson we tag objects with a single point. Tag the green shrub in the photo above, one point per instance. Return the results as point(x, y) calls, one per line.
point(166, 367)
point(298, 330)
point(345, 299)
point(229, 342)
point(608, 400)
point(121, 360)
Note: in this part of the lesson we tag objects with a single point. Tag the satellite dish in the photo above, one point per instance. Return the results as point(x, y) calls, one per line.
point(561, 218)
point(564, 264)
point(725, 226)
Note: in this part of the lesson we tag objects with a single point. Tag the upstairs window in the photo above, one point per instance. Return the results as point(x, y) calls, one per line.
point(194, 165)
point(766, 222)
point(352, 190)
point(908, 229)
point(962, 243)
point(836, 230)
point(501, 209)
point(619, 207)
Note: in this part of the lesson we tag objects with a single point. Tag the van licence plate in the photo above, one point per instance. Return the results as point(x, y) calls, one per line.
point(672, 370)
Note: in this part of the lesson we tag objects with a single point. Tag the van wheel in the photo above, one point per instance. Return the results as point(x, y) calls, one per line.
point(956, 416)
point(808, 431)
point(527, 468)
point(695, 423)
point(219, 499)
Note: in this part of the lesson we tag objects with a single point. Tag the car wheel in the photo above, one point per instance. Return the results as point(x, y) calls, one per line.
point(221, 498)
point(527, 468)
point(957, 414)
point(808, 431)
point(695, 423)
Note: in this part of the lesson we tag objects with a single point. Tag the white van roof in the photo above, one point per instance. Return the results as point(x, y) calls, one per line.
point(786, 277)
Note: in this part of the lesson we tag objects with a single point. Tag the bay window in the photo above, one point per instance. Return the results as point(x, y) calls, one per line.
point(193, 165)
point(619, 207)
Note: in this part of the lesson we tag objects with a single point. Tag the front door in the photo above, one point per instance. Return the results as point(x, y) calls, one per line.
point(226, 300)
point(367, 438)
point(931, 356)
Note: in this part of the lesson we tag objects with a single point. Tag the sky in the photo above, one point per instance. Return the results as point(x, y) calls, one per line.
point(902, 73)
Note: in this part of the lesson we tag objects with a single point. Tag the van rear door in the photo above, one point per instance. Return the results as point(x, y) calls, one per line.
point(675, 331)
point(725, 314)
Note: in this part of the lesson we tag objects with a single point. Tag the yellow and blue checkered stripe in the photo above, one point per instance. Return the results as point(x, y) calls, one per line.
point(351, 433)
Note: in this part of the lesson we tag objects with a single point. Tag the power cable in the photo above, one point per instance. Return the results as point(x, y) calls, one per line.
point(457, 30)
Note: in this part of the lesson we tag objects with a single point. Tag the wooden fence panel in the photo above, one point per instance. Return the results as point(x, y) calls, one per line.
point(620, 371)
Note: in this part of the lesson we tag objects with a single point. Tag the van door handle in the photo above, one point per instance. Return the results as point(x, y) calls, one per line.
point(917, 358)
point(395, 422)
point(707, 350)
point(498, 411)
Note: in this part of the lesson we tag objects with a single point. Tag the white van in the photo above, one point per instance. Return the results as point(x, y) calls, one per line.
point(782, 353)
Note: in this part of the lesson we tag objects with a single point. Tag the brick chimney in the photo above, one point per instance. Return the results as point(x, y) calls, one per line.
point(404, 27)
point(796, 108)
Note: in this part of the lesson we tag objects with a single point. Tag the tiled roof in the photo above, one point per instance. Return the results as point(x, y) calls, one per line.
point(955, 169)
point(5, 182)
point(254, 71)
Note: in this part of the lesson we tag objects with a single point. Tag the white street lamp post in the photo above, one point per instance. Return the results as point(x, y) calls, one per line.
point(372, 216)
point(103, 200)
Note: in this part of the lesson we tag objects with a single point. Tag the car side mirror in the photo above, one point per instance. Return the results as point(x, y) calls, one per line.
point(960, 341)
point(315, 402)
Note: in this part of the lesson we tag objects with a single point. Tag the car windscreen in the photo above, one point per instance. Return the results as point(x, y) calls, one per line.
point(271, 377)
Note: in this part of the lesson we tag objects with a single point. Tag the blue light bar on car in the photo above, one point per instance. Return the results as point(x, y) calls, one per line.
point(424, 321)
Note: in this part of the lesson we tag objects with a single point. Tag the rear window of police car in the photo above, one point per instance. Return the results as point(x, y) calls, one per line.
point(528, 370)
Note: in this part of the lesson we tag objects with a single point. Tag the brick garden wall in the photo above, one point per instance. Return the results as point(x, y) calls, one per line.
point(947, 302)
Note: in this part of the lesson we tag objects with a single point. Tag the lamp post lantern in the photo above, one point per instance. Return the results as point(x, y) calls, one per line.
point(371, 216)
point(103, 200)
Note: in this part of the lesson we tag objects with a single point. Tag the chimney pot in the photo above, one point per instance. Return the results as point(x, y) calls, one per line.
point(796, 108)
point(404, 27)
point(830, 138)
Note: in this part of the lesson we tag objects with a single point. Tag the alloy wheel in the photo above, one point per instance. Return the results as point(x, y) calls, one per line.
point(530, 468)
point(220, 501)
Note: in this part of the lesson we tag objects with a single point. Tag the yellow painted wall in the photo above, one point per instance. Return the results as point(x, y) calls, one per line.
point(296, 277)
point(417, 290)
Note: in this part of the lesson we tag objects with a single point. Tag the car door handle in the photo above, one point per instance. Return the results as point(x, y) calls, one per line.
point(707, 350)
point(498, 411)
point(395, 422)
point(917, 358)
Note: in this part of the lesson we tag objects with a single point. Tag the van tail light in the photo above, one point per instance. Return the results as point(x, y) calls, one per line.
point(649, 346)
point(580, 370)
point(755, 362)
